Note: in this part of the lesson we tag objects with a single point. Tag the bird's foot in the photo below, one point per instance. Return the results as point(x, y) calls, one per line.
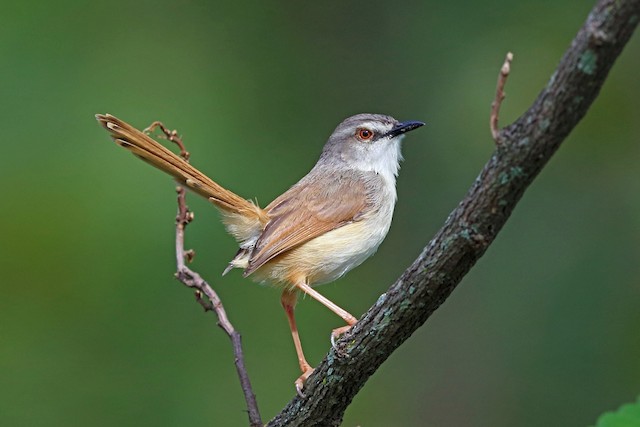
point(302, 379)
point(335, 334)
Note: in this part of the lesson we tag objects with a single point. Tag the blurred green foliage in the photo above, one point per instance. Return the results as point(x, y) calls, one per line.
point(627, 415)
point(95, 331)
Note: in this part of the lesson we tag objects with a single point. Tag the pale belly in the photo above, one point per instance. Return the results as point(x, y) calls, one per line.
point(328, 257)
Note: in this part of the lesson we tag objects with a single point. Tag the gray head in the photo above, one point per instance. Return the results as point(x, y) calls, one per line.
point(368, 142)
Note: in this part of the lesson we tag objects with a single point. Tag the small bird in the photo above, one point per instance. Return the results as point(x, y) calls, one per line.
point(329, 222)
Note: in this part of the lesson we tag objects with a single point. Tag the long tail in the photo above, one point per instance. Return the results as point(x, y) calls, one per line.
point(242, 217)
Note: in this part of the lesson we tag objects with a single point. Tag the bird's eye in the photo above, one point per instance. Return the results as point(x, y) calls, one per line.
point(364, 134)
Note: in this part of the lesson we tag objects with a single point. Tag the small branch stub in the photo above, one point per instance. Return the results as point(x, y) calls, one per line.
point(497, 102)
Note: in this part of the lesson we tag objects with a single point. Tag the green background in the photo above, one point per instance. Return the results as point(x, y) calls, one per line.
point(94, 331)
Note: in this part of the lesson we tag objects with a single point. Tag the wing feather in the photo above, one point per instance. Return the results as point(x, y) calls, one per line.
point(307, 211)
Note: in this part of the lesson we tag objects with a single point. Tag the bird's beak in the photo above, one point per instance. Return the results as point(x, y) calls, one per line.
point(403, 127)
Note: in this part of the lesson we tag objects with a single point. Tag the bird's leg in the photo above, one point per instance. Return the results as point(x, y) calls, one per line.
point(288, 301)
point(345, 315)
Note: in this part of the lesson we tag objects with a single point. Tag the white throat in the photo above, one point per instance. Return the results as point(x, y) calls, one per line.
point(383, 159)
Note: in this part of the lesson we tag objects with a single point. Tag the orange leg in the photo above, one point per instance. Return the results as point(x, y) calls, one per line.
point(346, 316)
point(288, 301)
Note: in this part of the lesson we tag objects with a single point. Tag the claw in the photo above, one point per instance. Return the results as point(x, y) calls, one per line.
point(335, 334)
point(301, 380)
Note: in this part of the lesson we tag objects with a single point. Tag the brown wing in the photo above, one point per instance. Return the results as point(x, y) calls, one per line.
point(306, 211)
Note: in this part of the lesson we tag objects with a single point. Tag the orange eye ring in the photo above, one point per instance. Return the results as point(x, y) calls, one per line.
point(364, 134)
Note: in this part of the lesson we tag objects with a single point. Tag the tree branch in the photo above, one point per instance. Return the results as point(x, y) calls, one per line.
point(525, 147)
point(193, 280)
point(213, 303)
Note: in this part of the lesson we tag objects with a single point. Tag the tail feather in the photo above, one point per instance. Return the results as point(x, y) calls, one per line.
point(244, 219)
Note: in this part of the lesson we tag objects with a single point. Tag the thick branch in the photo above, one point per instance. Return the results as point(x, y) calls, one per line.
point(525, 147)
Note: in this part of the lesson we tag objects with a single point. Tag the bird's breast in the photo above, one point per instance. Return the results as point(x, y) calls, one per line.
point(331, 255)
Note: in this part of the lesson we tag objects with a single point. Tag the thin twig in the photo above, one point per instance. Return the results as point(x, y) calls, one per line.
point(170, 135)
point(497, 102)
point(193, 280)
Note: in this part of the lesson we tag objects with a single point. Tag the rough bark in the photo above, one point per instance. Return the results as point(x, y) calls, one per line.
point(523, 148)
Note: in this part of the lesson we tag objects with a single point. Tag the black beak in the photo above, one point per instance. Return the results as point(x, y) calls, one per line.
point(403, 127)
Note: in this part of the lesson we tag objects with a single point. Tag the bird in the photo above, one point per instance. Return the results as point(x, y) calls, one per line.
point(329, 222)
